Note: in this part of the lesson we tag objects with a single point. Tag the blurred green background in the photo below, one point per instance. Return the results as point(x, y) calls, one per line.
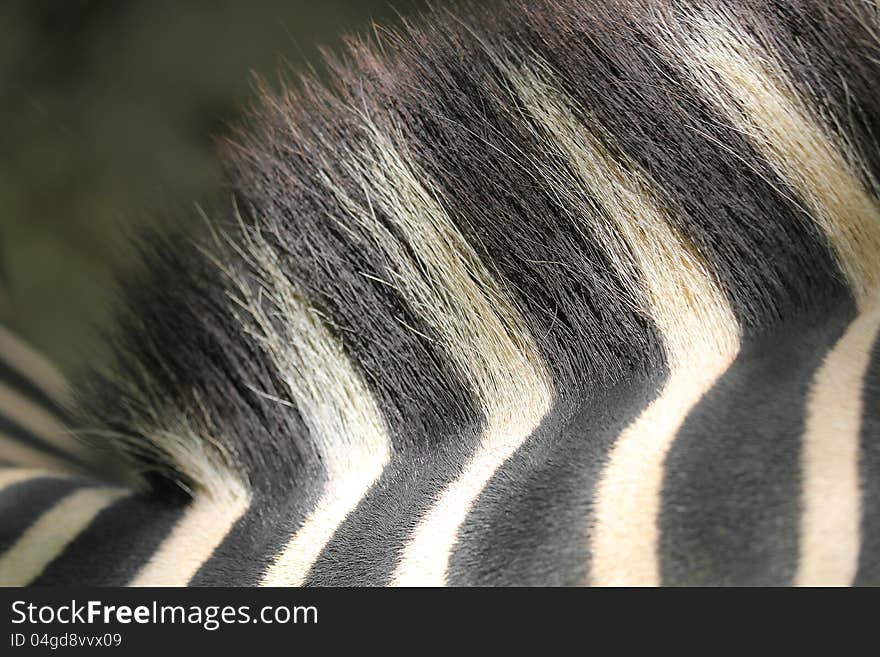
point(108, 117)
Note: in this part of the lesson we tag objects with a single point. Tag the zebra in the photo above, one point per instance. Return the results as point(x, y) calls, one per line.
point(528, 293)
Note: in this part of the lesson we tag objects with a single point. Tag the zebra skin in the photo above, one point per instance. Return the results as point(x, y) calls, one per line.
point(530, 293)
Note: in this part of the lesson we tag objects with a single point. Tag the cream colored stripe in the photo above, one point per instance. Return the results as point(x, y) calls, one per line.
point(425, 559)
point(749, 86)
point(191, 543)
point(11, 476)
point(448, 285)
point(14, 451)
point(699, 329)
point(626, 533)
point(345, 424)
point(32, 366)
point(293, 564)
point(831, 493)
point(52, 532)
point(38, 421)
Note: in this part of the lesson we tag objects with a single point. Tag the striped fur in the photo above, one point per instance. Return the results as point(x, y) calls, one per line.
point(559, 292)
point(33, 411)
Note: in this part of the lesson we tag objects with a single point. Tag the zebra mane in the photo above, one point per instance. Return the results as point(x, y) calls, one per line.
point(492, 212)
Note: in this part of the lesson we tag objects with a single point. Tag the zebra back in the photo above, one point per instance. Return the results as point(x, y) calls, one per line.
point(544, 293)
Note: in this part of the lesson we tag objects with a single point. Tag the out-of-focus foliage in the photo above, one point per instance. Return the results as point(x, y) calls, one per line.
point(108, 114)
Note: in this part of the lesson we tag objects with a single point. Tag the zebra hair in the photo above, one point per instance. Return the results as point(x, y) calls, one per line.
point(558, 292)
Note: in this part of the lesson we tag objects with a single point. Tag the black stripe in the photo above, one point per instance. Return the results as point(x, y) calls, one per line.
point(417, 387)
point(830, 56)
point(263, 530)
point(422, 396)
point(191, 350)
point(458, 125)
point(532, 523)
point(27, 388)
point(478, 148)
point(575, 306)
point(418, 392)
point(769, 256)
point(20, 434)
point(868, 573)
point(22, 503)
point(578, 315)
point(367, 546)
point(115, 545)
point(732, 485)
point(247, 550)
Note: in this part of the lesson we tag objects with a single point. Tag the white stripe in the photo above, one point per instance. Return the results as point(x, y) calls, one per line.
point(426, 558)
point(202, 528)
point(11, 476)
point(52, 532)
point(629, 493)
point(741, 76)
point(746, 82)
point(32, 366)
point(831, 494)
point(292, 565)
point(23, 455)
point(39, 421)
point(344, 422)
point(454, 293)
point(699, 329)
